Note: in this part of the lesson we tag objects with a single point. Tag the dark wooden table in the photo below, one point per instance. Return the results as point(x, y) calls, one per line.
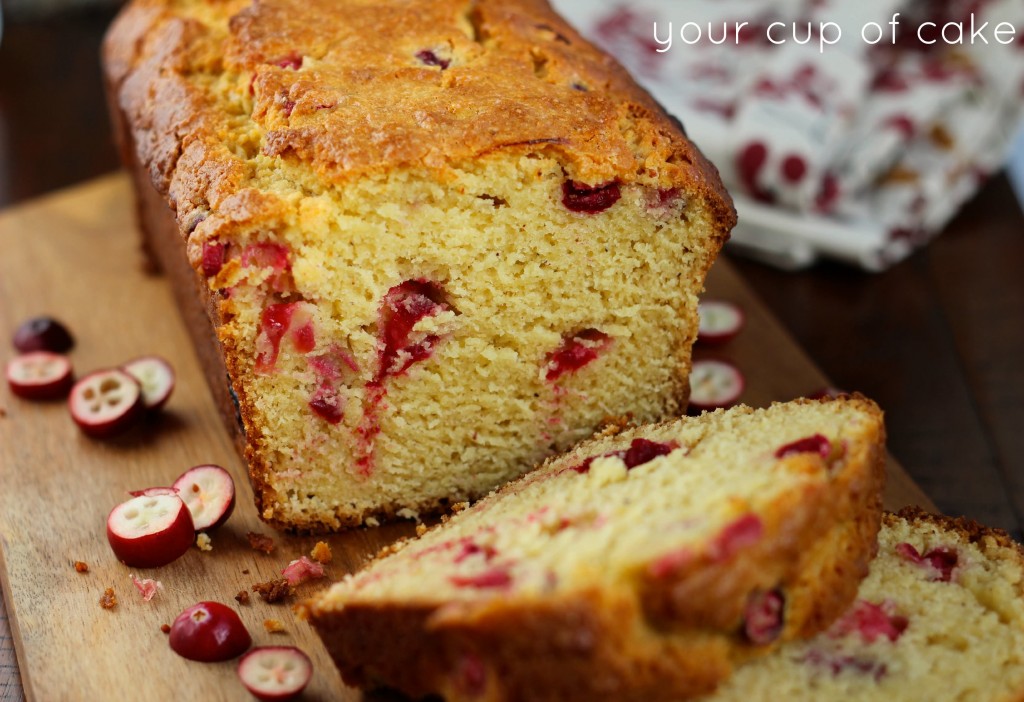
point(938, 340)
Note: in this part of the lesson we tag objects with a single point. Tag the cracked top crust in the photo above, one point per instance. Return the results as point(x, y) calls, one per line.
point(357, 88)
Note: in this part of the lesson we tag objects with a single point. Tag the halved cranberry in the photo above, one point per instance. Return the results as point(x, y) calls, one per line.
point(276, 321)
point(943, 559)
point(328, 404)
point(43, 334)
point(493, 578)
point(273, 256)
point(332, 368)
point(589, 199)
point(640, 451)
point(763, 617)
point(575, 352)
point(333, 365)
point(213, 258)
point(643, 451)
point(871, 621)
point(403, 307)
point(429, 58)
point(812, 444)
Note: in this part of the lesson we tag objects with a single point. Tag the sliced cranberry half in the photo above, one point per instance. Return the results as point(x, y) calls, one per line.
point(275, 673)
point(720, 321)
point(156, 378)
point(817, 443)
point(106, 402)
point(40, 375)
point(275, 257)
point(213, 258)
point(714, 384)
point(276, 321)
point(943, 560)
point(209, 493)
point(871, 621)
point(640, 451)
point(589, 199)
point(403, 307)
point(150, 530)
point(575, 352)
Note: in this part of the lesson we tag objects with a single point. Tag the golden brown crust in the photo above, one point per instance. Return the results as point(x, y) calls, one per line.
point(561, 651)
point(365, 104)
point(971, 531)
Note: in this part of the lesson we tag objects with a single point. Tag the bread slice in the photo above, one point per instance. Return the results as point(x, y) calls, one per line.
point(439, 240)
point(939, 618)
point(639, 566)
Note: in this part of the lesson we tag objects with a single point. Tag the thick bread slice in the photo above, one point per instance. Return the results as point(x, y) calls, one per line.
point(640, 565)
point(940, 618)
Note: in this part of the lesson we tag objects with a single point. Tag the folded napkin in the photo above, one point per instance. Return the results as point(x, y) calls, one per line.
point(837, 131)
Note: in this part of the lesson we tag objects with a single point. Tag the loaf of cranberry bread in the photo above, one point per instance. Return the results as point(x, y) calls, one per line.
point(940, 618)
point(639, 566)
point(437, 240)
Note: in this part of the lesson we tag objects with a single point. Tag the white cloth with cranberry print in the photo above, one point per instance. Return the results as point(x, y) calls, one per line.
point(832, 146)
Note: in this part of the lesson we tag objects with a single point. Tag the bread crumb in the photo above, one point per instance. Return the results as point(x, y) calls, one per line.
point(245, 571)
point(273, 626)
point(260, 542)
point(81, 567)
point(273, 591)
point(421, 529)
point(109, 599)
point(321, 552)
point(204, 542)
point(242, 597)
point(407, 513)
point(166, 628)
point(371, 522)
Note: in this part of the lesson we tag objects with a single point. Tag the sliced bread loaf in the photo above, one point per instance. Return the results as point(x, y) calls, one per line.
point(640, 565)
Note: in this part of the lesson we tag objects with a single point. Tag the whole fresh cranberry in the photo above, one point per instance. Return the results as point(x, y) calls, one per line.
point(209, 632)
point(43, 334)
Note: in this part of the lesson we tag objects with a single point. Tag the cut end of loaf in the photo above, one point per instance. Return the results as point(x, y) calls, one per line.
point(406, 345)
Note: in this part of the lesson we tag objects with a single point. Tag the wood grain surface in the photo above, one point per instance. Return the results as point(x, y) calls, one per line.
point(75, 255)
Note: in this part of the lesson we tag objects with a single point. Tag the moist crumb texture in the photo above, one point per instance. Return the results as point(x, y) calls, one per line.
point(939, 618)
point(643, 564)
point(439, 240)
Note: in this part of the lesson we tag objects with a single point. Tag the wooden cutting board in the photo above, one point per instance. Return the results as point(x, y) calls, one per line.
point(75, 255)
